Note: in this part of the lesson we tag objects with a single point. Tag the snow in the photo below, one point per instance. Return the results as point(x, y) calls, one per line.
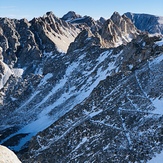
point(81, 143)
point(18, 72)
point(43, 119)
point(103, 56)
point(159, 43)
point(157, 60)
point(158, 104)
point(7, 74)
point(95, 113)
point(157, 159)
point(130, 66)
point(160, 20)
point(144, 43)
point(45, 78)
point(7, 156)
point(77, 19)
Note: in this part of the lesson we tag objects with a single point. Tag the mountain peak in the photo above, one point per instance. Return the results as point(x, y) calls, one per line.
point(71, 15)
point(115, 15)
point(118, 30)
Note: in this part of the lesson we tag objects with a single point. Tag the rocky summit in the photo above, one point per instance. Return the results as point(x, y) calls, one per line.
point(69, 93)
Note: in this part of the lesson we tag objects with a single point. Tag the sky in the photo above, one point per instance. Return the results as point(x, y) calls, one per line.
point(94, 8)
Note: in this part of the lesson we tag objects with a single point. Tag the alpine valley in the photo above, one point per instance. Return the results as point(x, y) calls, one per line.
point(79, 90)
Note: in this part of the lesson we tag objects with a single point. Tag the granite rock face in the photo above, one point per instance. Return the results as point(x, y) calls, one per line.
point(98, 102)
point(7, 156)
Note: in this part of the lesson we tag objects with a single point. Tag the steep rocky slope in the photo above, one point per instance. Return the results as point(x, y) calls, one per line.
point(120, 117)
point(145, 22)
point(100, 101)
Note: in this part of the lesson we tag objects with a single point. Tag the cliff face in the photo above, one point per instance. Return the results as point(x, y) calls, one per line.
point(101, 101)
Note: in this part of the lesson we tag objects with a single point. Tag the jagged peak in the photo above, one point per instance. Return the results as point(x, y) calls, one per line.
point(70, 16)
point(118, 30)
point(49, 13)
point(102, 20)
point(115, 16)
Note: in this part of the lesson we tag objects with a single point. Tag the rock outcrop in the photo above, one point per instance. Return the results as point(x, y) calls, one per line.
point(7, 156)
point(118, 30)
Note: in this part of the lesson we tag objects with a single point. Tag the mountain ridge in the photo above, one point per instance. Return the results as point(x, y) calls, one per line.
point(50, 98)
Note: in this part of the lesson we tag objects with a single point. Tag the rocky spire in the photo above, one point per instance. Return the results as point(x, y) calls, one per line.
point(118, 30)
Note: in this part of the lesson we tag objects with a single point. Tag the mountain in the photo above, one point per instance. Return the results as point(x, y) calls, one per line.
point(118, 30)
point(70, 16)
point(29, 40)
point(117, 112)
point(7, 156)
point(85, 22)
point(100, 101)
point(145, 22)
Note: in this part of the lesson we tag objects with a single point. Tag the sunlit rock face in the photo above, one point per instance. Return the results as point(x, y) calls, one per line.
point(7, 156)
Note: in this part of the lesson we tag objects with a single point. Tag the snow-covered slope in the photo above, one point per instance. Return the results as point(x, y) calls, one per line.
point(118, 113)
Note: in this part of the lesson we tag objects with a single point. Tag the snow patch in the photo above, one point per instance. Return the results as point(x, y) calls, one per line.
point(7, 74)
point(18, 72)
point(157, 159)
point(160, 20)
point(44, 80)
point(81, 143)
point(130, 67)
point(158, 104)
point(157, 60)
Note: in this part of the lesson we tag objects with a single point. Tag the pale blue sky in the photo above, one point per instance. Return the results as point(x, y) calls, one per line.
point(94, 8)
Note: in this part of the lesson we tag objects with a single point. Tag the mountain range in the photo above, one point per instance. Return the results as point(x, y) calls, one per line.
point(75, 89)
